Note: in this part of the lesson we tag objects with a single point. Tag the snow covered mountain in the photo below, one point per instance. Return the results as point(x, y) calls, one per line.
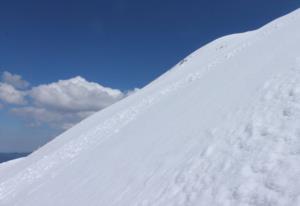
point(220, 128)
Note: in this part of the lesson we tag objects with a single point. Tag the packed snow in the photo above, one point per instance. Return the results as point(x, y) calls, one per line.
point(220, 128)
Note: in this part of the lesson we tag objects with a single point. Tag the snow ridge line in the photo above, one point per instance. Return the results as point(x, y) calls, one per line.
point(109, 127)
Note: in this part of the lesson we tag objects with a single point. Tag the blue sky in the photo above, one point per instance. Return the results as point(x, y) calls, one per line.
point(121, 44)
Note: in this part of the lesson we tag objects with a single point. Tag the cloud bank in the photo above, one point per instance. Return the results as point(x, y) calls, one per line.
point(60, 104)
point(75, 94)
point(14, 80)
point(8, 94)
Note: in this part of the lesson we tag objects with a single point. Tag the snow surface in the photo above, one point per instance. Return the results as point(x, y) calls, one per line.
point(220, 128)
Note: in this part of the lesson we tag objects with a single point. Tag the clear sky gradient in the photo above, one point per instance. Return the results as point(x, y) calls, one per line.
point(121, 44)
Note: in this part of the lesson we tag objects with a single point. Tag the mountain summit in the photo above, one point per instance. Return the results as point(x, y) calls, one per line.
point(220, 128)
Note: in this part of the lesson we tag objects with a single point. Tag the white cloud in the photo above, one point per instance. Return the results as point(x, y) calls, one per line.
point(66, 102)
point(75, 94)
point(131, 92)
point(10, 95)
point(14, 80)
point(1, 106)
point(38, 116)
point(59, 104)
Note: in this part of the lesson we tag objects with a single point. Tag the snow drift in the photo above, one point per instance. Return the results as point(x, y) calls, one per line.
point(220, 128)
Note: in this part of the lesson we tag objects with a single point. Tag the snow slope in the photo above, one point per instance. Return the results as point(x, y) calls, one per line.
point(220, 128)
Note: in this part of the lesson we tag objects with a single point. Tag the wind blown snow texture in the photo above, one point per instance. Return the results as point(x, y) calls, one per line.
point(220, 128)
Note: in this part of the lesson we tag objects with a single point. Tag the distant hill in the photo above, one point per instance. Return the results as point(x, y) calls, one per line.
point(10, 156)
